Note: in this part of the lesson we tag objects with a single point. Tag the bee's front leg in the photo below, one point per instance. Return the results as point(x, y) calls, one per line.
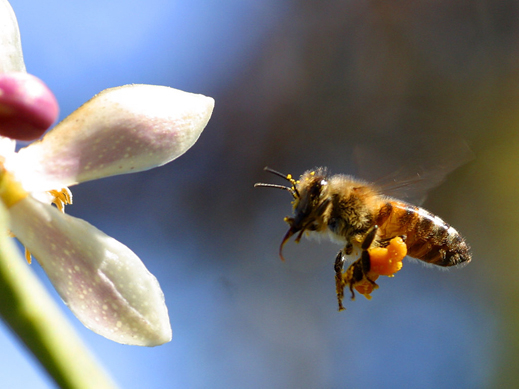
point(339, 279)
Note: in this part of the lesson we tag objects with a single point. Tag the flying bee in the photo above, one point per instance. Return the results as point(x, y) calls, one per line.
point(354, 213)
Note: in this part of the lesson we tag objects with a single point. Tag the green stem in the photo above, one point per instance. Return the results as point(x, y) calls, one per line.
point(32, 314)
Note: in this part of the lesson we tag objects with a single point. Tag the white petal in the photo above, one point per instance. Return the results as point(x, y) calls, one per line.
point(102, 281)
point(11, 56)
point(121, 130)
point(7, 147)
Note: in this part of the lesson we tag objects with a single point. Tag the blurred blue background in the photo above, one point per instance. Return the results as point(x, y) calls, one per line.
point(299, 84)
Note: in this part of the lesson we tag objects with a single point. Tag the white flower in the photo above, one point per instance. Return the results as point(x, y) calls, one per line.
point(121, 130)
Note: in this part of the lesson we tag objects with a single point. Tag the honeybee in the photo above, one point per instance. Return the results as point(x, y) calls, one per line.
point(354, 213)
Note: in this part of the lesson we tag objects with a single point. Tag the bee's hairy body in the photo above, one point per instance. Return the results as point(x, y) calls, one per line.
point(350, 208)
point(355, 213)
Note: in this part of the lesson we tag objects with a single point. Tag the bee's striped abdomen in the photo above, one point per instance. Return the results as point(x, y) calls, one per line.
point(428, 237)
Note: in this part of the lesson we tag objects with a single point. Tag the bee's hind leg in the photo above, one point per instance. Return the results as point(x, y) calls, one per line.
point(358, 270)
point(365, 258)
point(385, 242)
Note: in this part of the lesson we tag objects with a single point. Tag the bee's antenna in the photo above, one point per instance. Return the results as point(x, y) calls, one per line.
point(267, 169)
point(287, 177)
point(292, 191)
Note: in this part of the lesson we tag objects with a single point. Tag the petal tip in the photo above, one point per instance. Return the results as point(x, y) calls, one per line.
point(11, 56)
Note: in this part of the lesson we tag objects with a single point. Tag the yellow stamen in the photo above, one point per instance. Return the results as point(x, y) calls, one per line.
point(61, 197)
point(11, 192)
point(28, 256)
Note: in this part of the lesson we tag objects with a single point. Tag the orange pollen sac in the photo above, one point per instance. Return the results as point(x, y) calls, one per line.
point(365, 287)
point(385, 261)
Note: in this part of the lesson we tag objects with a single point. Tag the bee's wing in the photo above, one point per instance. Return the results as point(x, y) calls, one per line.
point(418, 176)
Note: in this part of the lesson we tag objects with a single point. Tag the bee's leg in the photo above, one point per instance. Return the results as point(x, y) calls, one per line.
point(385, 242)
point(365, 258)
point(358, 270)
point(369, 238)
point(348, 249)
point(339, 280)
point(354, 275)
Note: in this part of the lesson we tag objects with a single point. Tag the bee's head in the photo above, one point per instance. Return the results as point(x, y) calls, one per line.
point(309, 201)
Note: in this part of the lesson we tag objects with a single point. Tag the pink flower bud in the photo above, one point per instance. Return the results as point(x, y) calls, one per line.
point(27, 106)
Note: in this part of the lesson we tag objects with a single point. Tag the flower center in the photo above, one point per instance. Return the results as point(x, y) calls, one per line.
point(11, 191)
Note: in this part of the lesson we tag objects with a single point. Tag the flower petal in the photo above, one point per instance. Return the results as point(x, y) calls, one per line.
point(11, 56)
point(102, 281)
point(27, 106)
point(121, 130)
point(7, 147)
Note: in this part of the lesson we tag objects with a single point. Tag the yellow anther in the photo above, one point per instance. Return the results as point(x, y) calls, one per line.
point(11, 192)
point(61, 198)
point(28, 256)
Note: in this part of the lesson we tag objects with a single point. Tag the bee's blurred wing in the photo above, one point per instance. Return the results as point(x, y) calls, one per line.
point(416, 177)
